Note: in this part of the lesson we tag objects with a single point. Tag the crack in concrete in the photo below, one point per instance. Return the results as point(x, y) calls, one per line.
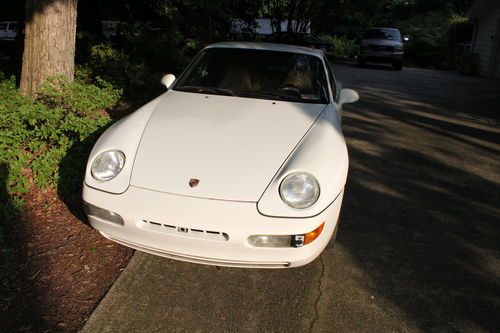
point(320, 293)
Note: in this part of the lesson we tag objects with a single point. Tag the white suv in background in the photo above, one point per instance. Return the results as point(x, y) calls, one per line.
point(8, 30)
point(382, 45)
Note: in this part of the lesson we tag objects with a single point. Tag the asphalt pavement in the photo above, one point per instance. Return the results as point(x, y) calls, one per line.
point(418, 248)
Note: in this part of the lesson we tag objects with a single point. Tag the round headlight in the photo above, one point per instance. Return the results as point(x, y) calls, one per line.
point(299, 190)
point(107, 165)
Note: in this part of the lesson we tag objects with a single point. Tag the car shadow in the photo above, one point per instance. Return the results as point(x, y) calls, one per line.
point(72, 173)
point(73, 164)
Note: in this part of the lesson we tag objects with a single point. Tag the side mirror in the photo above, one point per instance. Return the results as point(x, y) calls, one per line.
point(406, 38)
point(348, 96)
point(167, 80)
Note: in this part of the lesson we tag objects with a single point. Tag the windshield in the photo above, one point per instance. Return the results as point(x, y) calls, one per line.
point(390, 34)
point(260, 74)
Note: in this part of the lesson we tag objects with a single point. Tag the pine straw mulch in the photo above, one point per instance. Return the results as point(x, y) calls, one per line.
point(54, 268)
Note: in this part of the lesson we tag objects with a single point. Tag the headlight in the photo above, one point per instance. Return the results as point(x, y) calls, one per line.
point(107, 165)
point(299, 190)
point(398, 48)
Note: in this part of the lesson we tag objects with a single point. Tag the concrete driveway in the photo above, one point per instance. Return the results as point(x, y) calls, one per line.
point(418, 249)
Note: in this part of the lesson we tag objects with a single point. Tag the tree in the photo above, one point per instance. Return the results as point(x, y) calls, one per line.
point(298, 13)
point(205, 20)
point(302, 12)
point(276, 10)
point(49, 43)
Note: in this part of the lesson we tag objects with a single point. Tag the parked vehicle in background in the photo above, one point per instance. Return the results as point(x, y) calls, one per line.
point(8, 30)
point(301, 39)
point(110, 28)
point(383, 45)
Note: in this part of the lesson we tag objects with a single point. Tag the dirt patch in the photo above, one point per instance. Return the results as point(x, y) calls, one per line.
point(55, 268)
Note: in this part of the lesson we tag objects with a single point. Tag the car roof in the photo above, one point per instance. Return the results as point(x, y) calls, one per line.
point(383, 28)
point(268, 47)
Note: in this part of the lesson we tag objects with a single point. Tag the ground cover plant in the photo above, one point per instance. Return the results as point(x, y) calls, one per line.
point(54, 267)
point(36, 134)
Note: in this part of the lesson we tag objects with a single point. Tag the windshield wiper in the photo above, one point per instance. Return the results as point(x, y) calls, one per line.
point(290, 96)
point(279, 95)
point(208, 90)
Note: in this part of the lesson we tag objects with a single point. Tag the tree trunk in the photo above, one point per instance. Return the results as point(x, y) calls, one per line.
point(49, 42)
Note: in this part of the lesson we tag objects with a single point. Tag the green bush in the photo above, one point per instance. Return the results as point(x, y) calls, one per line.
point(429, 37)
point(113, 65)
point(138, 66)
point(343, 46)
point(163, 51)
point(9, 205)
point(35, 135)
point(137, 58)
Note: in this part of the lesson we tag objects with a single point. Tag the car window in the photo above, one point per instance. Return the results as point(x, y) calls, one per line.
point(13, 26)
point(3, 26)
point(260, 74)
point(389, 34)
point(331, 78)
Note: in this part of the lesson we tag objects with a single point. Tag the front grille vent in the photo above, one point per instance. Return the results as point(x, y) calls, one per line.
point(375, 47)
point(183, 231)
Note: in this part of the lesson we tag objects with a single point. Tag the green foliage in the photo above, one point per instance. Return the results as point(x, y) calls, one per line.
point(457, 19)
point(205, 20)
point(298, 13)
point(427, 22)
point(135, 62)
point(343, 46)
point(115, 66)
point(160, 51)
point(35, 135)
point(428, 38)
point(78, 99)
point(8, 208)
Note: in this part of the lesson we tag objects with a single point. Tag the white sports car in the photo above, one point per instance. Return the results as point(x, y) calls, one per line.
point(242, 162)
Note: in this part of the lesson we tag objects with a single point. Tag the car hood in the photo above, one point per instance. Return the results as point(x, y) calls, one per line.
point(233, 146)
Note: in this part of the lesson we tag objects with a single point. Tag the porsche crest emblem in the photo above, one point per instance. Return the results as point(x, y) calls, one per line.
point(193, 182)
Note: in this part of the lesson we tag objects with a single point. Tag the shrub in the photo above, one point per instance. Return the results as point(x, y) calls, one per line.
point(35, 135)
point(138, 68)
point(123, 71)
point(428, 33)
point(343, 46)
point(9, 206)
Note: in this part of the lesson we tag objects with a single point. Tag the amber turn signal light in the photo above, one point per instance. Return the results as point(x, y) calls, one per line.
point(311, 236)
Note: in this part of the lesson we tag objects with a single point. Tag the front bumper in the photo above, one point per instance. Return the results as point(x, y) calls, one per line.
point(205, 231)
point(381, 56)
